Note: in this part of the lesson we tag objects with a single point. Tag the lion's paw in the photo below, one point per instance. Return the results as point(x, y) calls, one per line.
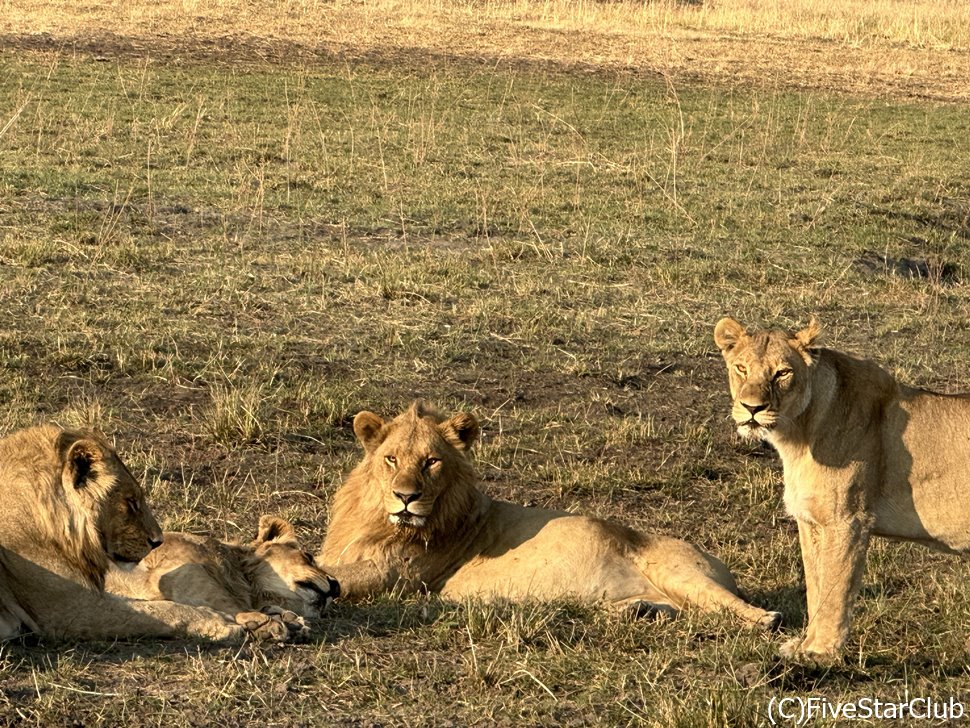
point(770, 621)
point(233, 634)
point(263, 627)
point(297, 629)
point(790, 648)
point(801, 651)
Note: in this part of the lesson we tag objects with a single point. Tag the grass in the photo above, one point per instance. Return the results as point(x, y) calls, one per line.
point(915, 23)
point(221, 258)
point(898, 48)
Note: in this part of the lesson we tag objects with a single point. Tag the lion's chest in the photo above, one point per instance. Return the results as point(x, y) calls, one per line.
point(803, 507)
point(818, 494)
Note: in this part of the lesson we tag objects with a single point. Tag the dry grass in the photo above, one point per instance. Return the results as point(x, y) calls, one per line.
point(942, 25)
point(221, 251)
point(903, 47)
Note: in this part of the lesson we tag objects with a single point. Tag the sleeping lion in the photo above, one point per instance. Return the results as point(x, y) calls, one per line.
point(270, 575)
point(410, 516)
point(862, 453)
point(69, 509)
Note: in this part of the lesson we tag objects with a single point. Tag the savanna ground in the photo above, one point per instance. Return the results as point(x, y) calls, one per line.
point(227, 227)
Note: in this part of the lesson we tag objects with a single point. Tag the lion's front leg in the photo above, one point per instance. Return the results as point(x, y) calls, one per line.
point(834, 558)
point(94, 615)
point(172, 619)
point(360, 579)
point(808, 541)
point(272, 623)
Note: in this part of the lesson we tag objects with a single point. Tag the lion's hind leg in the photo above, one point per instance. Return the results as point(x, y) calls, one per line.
point(689, 576)
point(713, 596)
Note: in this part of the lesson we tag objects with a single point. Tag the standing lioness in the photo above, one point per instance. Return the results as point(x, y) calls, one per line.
point(862, 454)
point(410, 516)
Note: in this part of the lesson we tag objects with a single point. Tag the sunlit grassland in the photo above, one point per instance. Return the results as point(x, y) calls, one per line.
point(220, 264)
point(896, 48)
point(939, 24)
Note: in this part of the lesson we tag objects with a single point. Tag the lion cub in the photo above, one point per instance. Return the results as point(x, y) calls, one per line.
point(411, 515)
point(863, 455)
point(270, 575)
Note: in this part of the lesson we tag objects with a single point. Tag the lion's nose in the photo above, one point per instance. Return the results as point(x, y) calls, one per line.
point(754, 408)
point(155, 541)
point(334, 587)
point(406, 498)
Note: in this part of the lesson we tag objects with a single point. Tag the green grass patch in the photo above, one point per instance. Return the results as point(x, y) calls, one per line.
point(222, 264)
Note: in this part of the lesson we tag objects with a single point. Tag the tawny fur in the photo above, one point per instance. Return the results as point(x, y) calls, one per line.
point(68, 507)
point(270, 571)
point(862, 455)
point(411, 516)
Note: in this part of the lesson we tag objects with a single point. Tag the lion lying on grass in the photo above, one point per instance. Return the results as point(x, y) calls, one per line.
point(410, 515)
point(271, 574)
point(68, 509)
point(862, 454)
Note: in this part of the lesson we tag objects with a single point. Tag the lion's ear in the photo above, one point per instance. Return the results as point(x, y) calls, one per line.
point(367, 427)
point(806, 337)
point(276, 529)
point(461, 430)
point(81, 456)
point(727, 334)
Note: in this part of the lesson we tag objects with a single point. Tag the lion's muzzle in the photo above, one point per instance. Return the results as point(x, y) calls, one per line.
point(406, 518)
point(754, 409)
point(319, 596)
point(404, 505)
point(407, 497)
point(754, 421)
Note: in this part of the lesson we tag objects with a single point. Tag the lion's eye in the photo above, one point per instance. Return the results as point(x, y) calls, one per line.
point(133, 506)
point(431, 461)
point(390, 460)
point(783, 374)
point(741, 369)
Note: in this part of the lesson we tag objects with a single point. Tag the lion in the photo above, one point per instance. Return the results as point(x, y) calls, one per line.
point(862, 454)
point(69, 508)
point(271, 574)
point(410, 516)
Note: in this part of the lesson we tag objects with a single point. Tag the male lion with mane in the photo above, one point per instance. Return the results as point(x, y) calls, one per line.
point(68, 509)
point(410, 515)
point(271, 574)
point(862, 455)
